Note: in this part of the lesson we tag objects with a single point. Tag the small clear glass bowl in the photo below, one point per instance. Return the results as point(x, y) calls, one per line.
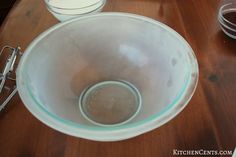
point(63, 11)
point(228, 26)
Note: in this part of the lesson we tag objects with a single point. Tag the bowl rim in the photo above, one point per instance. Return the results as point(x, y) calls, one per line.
point(49, 5)
point(221, 13)
point(226, 26)
point(117, 132)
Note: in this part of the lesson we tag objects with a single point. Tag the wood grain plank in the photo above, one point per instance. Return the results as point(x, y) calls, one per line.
point(208, 122)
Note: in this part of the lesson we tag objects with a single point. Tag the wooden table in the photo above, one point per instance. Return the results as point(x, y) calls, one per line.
point(208, 122)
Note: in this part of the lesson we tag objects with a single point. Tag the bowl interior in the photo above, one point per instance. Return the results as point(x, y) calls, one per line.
point(87, 51)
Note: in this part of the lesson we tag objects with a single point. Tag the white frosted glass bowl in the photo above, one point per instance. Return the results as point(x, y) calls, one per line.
point(65, 10)
point(67, 58)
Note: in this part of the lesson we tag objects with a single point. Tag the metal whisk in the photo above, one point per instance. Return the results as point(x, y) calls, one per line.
point(8, 69)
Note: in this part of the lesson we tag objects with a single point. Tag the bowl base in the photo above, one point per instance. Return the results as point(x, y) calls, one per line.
point(110, 102)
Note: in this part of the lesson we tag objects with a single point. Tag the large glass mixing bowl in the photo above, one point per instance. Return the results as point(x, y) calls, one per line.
point(67, 58)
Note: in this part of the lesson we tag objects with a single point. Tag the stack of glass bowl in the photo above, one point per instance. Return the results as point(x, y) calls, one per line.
point(67, 9)
point(227, 19)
